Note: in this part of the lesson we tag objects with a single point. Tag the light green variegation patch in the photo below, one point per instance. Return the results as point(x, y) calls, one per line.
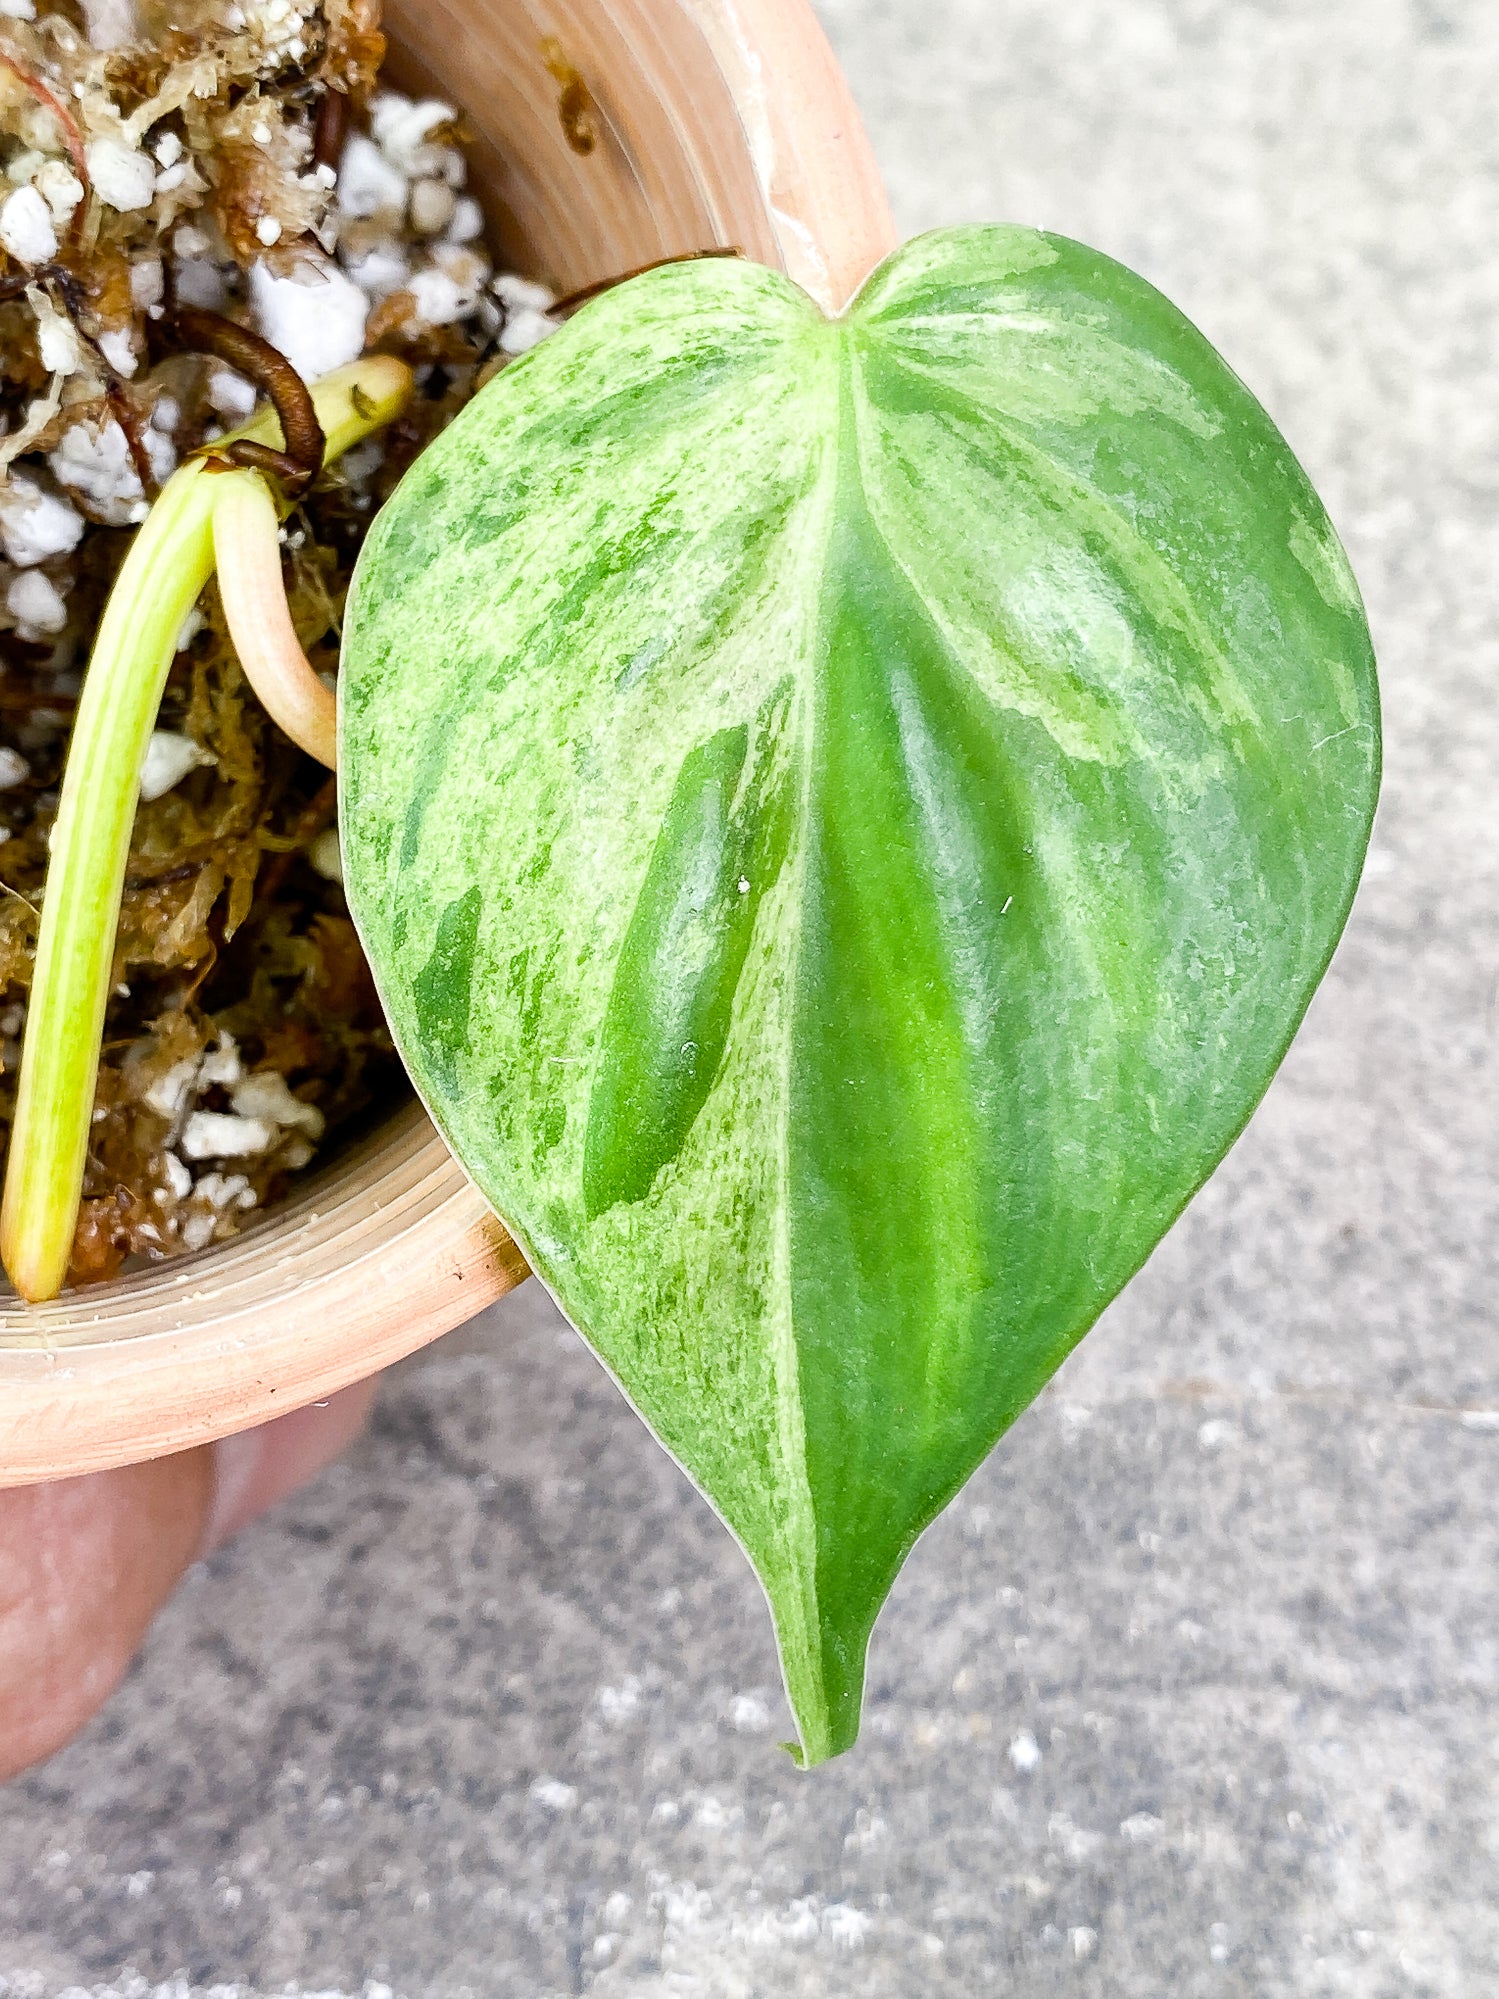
point(846, 817)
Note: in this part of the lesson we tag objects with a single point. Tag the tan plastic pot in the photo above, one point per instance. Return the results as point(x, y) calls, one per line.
point(720, 122)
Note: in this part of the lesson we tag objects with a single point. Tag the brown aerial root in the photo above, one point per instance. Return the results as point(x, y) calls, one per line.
point(566, 306)
point(331, 130)
point(295, 467)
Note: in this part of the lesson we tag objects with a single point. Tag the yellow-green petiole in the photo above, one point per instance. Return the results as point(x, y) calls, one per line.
point(170, 560)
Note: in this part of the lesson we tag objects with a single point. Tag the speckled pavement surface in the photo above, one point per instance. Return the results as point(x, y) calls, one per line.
point(1193, 1693)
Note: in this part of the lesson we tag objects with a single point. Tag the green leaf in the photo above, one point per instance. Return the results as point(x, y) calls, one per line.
point(846, 816)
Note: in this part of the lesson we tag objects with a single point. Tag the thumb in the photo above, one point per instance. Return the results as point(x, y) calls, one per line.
point(86, 1563)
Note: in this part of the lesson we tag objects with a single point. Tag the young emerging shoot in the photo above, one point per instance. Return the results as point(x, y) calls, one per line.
point(171, 559)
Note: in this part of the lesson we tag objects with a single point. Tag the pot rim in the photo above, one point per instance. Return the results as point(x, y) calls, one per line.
point(392, 1245)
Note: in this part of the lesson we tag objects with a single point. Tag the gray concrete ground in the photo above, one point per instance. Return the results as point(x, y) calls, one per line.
point(1193, 1691)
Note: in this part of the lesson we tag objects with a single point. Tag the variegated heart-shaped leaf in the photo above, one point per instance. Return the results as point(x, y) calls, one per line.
point(846, 816)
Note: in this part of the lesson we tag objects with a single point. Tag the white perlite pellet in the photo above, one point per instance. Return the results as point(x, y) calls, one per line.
point(110, 24)
point(315, 319)
point(26, 230)
point(22, 166)
point(34, 523)
point(60, 188)
point(379, 273)
point(168, 1093)
point(98, 464)
point(199, 281)
point(169, 757)
point(433, 205)
point(522, 294)
point(148, 283)
point(440, 300)
point(401, 130)
point(368, 184)
point(57, 339)
point(326, 855)
point(115, 345)
point(222, 1066)
point(1025, 1752)
point(216, 1135)
point(467, 225)
point(553, 1794)
point(230, 394)
point(225, 1190)
point(267, 1097)
point(36, 604)
point(124, 177)
point(14, 768)
point(526, 306)
point(524, 330)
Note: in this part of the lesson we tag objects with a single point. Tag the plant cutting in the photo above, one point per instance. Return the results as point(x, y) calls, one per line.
point(846, 815)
